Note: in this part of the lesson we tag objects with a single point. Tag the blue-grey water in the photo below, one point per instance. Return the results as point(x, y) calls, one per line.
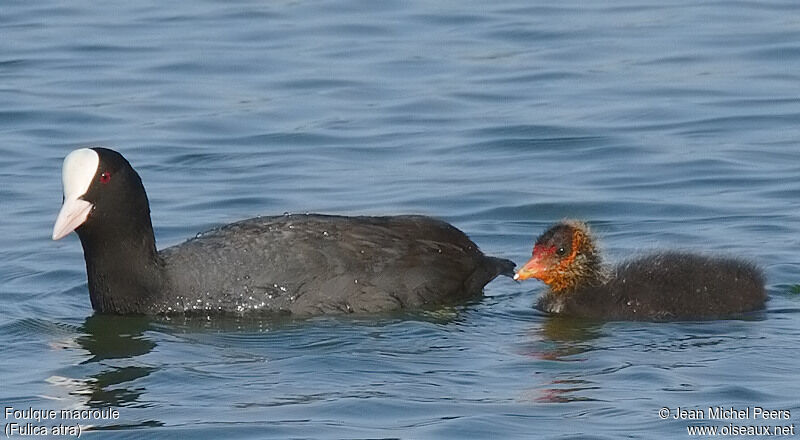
point(671, 124)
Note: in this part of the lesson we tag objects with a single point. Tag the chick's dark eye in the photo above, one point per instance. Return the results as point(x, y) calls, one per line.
point(561, 251)
point(105, 177)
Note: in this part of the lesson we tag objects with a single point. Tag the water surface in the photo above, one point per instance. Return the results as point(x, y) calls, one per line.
point(663, 125)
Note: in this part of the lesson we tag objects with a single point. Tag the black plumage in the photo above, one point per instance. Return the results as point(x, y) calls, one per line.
point(660, 286)
point(300, 264)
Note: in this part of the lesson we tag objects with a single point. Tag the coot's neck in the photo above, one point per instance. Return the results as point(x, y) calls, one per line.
point(125, 273)
point(587, 271)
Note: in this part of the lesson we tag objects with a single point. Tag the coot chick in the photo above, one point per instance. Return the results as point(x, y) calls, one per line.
point(298, 264)
point(662, 286)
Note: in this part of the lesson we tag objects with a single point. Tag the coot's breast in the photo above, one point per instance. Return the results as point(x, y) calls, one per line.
point(315, 264)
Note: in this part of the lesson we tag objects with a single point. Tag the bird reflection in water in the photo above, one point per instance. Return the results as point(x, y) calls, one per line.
point(562, 339)
point(113, 344)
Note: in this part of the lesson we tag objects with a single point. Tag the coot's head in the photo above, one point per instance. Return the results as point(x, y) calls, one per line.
point(103, 195)
point(564, 257)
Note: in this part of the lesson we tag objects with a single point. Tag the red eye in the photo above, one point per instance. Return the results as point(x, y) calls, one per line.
point(105, 177)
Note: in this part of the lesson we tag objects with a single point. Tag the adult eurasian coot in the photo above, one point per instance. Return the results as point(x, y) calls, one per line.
point(299, 264)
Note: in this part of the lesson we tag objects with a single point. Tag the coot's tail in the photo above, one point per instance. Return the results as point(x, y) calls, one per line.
point(502, 266)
